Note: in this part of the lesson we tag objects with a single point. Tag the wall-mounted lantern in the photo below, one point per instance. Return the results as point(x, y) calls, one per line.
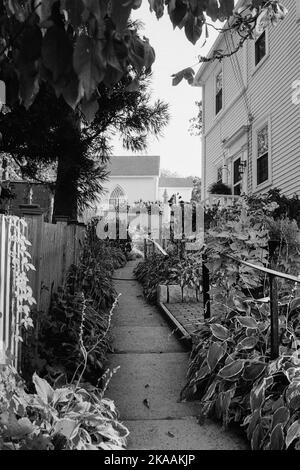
point(242, 167)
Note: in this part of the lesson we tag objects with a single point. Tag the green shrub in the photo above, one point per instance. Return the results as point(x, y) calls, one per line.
point(233, 377)
point(157, 269)
point(285, 206)
point(231, 372)
point(84, 301)
point(220, 188)
point(73, 417)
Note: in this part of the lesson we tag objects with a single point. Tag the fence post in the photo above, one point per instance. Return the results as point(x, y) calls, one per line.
point(274, 317)
point(205, 287)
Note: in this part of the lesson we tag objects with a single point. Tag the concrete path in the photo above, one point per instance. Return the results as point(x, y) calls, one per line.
point(152, 371)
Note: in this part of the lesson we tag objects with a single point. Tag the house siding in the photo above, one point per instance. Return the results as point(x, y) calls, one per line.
point(267, 95)
point(135, 188)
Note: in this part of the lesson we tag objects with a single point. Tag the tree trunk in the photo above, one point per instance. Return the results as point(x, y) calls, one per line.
point(68, 169)
point(65, 199)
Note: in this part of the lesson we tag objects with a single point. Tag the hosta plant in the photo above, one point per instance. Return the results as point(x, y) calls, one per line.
point(157, 269)
point(68, 418)
point(229, 353)
point(232, 375)
point(274, 419)
point(79, 308)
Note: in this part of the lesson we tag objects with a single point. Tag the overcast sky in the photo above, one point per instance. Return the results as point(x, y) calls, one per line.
point(179, 151)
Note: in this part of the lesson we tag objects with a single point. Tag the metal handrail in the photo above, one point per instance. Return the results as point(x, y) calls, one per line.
point(157, 245)
point(266, 270)
point(272, 274)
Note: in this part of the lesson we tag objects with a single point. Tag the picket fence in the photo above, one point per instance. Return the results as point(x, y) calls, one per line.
point(53, 248)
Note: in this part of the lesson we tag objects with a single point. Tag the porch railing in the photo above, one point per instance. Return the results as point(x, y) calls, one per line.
point(221, 199)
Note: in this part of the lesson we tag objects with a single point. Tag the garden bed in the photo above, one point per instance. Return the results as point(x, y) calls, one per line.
point(62, 405)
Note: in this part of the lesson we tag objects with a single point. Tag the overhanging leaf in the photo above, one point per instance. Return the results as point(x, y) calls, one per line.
point(120, 11)
point(89, 63)
point(158, 7)
point(72, 92)
point(94, 7)
point(226, 8)
point(178, 13)
point(57, 52)
point(89, 109)
point(193, 28)
point(187, 74)
point(213, 9)
point(74, 10)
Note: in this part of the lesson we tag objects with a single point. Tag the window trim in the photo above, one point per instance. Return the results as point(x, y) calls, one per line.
point(262, 61)
point(297, 12)
point(256, 128)
point(217, 72)
point(122, 196)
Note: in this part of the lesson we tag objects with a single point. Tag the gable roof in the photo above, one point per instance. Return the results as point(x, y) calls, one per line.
point(173, 182)
point(134, 165)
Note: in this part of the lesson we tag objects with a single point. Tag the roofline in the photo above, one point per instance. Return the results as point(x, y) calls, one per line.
point(137, 156)
point(176, 187)
point(197, 80)
point(133, 176)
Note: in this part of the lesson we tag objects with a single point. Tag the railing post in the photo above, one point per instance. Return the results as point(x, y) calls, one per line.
point(205, 287)
point(274, 317)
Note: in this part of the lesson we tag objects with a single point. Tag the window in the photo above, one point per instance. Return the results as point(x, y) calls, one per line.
point(237, 179)
point(219, 92)
point(117, 197)
point(219, 174)
point(260, 48)
point(262, 166)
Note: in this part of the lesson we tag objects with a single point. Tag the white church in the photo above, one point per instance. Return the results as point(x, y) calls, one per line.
point(137, 178)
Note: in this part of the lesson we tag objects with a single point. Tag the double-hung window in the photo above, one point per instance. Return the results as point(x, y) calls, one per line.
point(260, 48)
point(219, 92)
point(262, 162)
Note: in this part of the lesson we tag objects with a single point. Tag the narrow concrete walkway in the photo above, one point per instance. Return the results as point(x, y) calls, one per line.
point(152, 371)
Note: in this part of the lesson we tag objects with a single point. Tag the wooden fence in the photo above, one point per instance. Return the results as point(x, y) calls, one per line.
point(54, 247)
